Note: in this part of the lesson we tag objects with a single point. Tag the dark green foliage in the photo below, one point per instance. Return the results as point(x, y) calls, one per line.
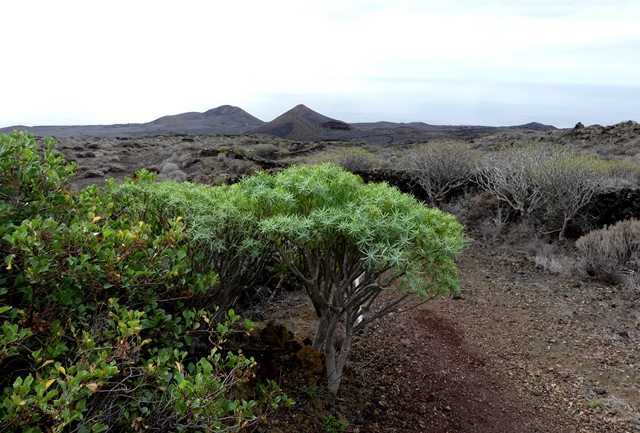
point(31, 184)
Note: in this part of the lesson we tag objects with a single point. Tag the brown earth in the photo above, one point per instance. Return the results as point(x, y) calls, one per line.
point(522, 350)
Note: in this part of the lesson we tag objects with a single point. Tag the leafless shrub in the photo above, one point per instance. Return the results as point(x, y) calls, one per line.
point(611, 254)
point(478, 211)
point(510, 175)
point(440, 168)
point(568, 183)
point(241, 167)
point(545, 184)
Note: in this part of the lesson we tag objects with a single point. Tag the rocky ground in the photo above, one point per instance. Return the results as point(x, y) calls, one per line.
point(523, 349)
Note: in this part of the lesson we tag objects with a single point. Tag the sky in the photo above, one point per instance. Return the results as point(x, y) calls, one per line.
point(464, 62)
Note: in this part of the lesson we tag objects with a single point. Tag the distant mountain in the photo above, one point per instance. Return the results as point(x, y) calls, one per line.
point(225, 119)
point(225, 115)
point(302, 123)
point(536, 126)
point(10, 129)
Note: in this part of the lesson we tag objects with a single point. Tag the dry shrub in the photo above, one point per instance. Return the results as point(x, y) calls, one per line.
point(612, 253)
point(544, 255)
point(472, 209)
point(265, 149)
point(356, 159)
point(481, 214)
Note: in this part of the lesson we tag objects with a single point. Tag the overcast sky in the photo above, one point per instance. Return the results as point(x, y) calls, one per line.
point(501, 62)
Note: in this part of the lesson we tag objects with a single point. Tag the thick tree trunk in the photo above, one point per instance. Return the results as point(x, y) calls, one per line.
point(342, 358)
point(333, 374)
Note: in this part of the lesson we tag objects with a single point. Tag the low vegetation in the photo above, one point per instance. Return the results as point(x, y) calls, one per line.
point(355, 159)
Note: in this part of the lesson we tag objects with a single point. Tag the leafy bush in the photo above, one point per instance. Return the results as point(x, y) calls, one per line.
point(332, 424)
point(612, 252)
point(100, 326)
point(31, 184)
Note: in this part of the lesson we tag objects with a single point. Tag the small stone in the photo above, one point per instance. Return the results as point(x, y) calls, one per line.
point(600, 390)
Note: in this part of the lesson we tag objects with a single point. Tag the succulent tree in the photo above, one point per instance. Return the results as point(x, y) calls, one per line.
point(347, 242)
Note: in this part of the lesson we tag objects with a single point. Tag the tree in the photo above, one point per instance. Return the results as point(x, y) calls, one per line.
point(440, 168)
point(347, 242)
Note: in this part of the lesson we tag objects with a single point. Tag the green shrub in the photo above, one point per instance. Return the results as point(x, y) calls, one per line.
point(34, 182)
point(331, 424)
point(596, 404)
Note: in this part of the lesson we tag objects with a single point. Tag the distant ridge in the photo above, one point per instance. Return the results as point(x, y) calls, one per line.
point(299, 123)
point(302, 123)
